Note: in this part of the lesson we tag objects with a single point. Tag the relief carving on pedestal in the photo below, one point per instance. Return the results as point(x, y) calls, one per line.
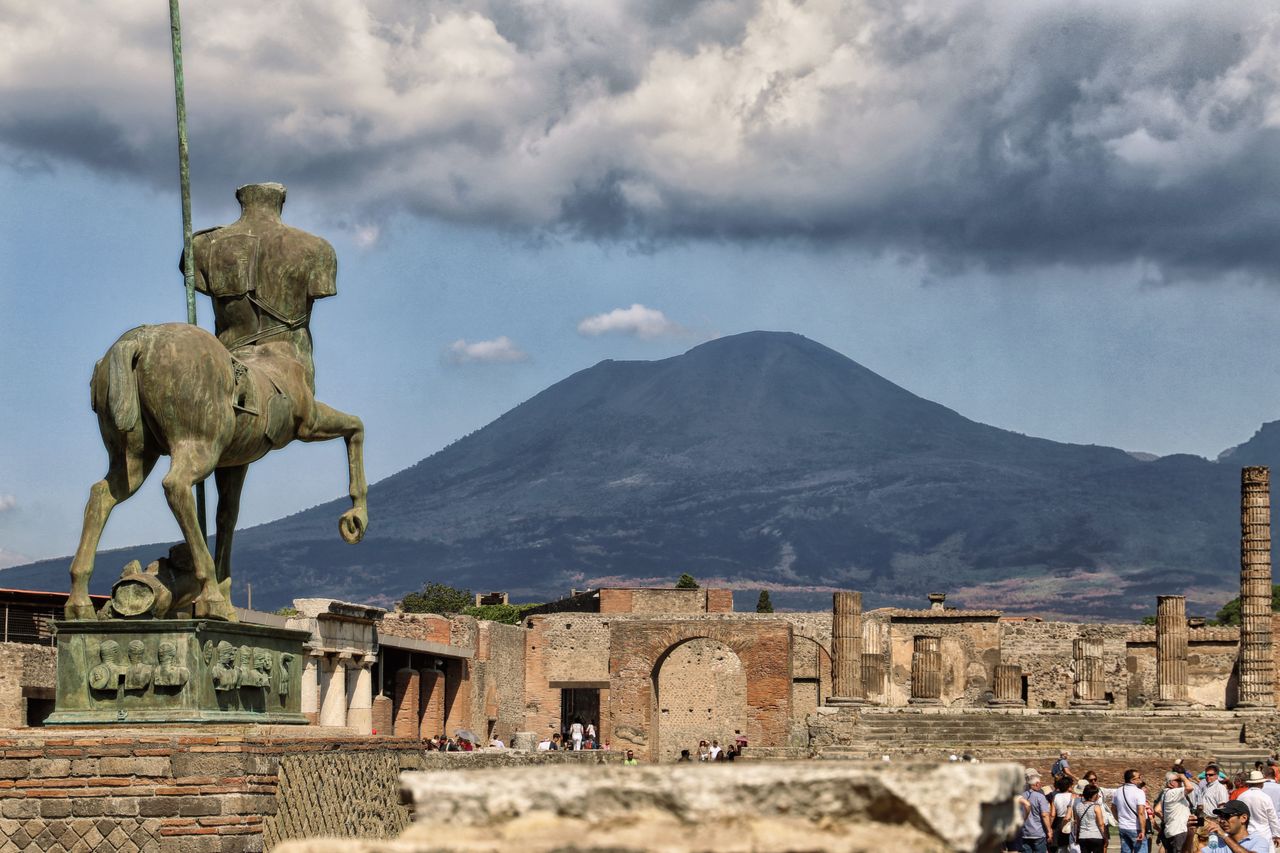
point(169, 673)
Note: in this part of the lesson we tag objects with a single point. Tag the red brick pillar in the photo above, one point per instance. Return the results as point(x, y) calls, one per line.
point(382, 715)
point(406, 711)
point(431, 704)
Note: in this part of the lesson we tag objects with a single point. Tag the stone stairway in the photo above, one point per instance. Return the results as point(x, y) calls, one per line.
point(1015, 734)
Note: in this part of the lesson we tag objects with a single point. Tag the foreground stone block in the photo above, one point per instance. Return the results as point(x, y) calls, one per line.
point(792, 806)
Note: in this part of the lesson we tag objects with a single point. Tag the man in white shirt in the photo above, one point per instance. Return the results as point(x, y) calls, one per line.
point(1271, 788)
point(545, 744)
point(1263, 820)
point(714, 753)
point(1129, 805)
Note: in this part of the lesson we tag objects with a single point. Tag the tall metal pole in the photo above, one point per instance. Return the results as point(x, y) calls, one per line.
point(184, 179)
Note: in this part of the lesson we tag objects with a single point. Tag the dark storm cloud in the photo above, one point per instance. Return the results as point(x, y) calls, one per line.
point(992, 133)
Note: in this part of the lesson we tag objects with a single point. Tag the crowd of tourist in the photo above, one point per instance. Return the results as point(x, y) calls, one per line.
point(1189, 812)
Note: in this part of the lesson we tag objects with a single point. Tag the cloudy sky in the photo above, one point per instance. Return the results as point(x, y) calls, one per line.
point(1055, 217)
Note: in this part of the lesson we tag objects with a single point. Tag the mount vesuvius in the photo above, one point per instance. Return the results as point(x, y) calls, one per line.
point(763, 459)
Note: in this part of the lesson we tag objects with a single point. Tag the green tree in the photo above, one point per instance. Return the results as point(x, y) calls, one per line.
point(1230, 612)
point(287, 611)
point(763, 604)
point(686, 582)
point(438, 598)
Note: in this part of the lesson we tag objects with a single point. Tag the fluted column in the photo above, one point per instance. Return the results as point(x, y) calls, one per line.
point(872, 662)
point(1008, 686)
point(430, 703)
point(926, 671)
point(405, 722)
point(333, 701)
point(310, 691)
point(846, 649)
point(1257, 669)
point(360, 700)
point(1171, 651)
point(1090, 677)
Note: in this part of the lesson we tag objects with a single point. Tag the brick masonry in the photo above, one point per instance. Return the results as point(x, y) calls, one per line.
point(638, 648)
point(198, 793)
point(25, 671)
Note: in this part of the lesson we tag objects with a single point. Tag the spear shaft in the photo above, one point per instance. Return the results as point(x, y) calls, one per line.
point(184, 179)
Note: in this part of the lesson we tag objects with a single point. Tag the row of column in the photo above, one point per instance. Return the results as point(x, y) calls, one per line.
point(858, 671)
point(334, 697)
point(419, 704)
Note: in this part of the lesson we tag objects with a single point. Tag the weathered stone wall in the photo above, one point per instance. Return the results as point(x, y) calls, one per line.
point(417, 626)
point(702, 695)
point(970, 652)
point(805, 806)
point(1043, 649)
point(26, 671)
point(498, 697)
point(1209, 668)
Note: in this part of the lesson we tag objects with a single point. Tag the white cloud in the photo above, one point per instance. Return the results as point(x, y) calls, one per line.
point(8, 502)
point(367, 236)
point(500, 350)
point(638, 321)
point(12, 558)
point(1007, 131)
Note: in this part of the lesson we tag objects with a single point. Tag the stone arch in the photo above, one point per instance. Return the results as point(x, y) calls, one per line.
point(700, 693)
point(636, 649)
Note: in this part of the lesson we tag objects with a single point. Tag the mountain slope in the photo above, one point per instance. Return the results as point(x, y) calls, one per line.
point(763, 458)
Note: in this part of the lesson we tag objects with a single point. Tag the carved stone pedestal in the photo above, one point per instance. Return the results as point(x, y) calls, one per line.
point(177, 671)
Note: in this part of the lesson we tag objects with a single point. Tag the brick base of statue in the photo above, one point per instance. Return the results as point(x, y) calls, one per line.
point(177, 671)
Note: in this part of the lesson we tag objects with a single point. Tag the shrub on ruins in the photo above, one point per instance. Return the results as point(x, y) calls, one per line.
point(763, 604)
point(439, 598)
point(686, 582)
point(507, 614)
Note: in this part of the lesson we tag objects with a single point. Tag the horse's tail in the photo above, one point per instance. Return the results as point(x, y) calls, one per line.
point(122, 384)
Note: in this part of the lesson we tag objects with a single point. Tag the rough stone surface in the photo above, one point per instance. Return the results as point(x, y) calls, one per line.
point(847, 807)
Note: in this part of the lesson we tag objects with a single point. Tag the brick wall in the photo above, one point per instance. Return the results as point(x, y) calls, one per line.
point(26, 670)
point(638, 645)
point(416, 626)
point(499, 675)
point(702, 695)
point(191, 793)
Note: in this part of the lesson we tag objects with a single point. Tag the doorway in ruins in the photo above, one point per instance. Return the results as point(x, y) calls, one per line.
point(700, 693)
point(581, 704)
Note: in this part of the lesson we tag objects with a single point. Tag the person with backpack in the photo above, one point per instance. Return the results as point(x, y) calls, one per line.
point(1062, 767)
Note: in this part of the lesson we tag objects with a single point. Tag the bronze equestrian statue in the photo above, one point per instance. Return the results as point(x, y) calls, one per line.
point(216, 404)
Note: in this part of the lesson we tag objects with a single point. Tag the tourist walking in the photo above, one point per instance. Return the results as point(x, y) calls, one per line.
point(1090, 820)
point(1129, 805)
point(1061, 767)
point(1036, 829)
point(1173, 807)
point(1262, 814)
point(576, 731)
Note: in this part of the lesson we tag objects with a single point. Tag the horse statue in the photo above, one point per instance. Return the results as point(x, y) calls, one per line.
point(214, 405)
